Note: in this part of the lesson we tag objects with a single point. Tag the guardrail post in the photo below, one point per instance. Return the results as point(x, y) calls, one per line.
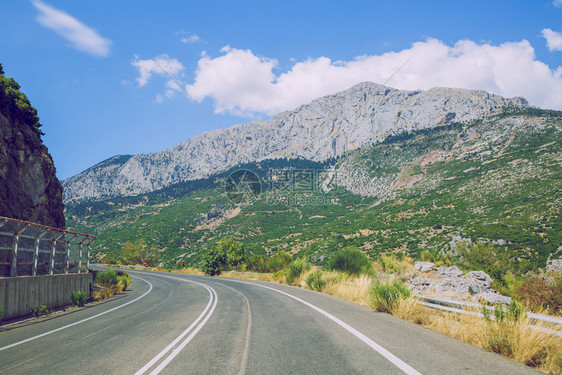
point(89, 253)
point(80, 257)
point(14, 269)
point(53, 249)
point(67, 256)
point(36, 252)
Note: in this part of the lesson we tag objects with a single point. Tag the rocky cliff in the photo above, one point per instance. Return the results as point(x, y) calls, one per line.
point(327, 127)
point(29, 188)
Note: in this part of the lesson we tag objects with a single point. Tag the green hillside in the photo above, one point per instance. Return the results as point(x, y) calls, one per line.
point(495, 179)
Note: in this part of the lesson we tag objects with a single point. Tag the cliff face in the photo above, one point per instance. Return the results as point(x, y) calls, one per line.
point(327, 127)
point(29, 188)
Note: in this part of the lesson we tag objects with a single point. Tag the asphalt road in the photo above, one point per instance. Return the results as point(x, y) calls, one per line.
point(186, 324)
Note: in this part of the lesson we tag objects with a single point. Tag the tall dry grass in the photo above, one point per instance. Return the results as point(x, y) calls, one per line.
point(511, 338)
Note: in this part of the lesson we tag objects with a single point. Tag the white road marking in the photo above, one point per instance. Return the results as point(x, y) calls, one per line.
point(407, 369)
point(205, 315)
point(81, 321)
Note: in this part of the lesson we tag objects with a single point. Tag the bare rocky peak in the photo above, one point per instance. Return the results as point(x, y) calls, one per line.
point(327, 127)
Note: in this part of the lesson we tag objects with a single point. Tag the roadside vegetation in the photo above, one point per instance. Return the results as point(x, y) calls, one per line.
point(39, 311)
point(112, 282)
point(78, 298)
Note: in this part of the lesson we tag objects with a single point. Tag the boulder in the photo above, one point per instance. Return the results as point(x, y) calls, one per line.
point(452, 271)
point(480, 278)
point(424, 266)
point(554, 265)
point(476, 289)
point(420, 281)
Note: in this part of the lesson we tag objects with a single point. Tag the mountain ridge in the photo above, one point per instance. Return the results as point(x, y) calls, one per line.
point(327, 127)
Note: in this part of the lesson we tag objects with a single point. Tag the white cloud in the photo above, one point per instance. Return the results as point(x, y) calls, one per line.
point(242, 83)
point(194, 38)
point(553, 39)
point(81, 37)
point(164, 66)
point(161, 65)
point(557, 3)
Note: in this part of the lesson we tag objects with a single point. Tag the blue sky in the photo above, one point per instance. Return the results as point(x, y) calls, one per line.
point(94, 69)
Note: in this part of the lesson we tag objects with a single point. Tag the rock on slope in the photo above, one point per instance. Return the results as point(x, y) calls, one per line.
point(325, 128)
point(29, 188)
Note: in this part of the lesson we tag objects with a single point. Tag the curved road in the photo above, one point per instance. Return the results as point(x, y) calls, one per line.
point(186, 324)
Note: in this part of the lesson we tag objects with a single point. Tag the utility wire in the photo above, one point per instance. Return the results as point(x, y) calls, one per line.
point(189, 96)
point(397, 70)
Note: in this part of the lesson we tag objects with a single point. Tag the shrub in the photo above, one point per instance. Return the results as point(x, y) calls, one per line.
point(39, 310)
point(350, 260)
point(125, 281)
point(78, 298)
point(107, 278)
point(386, 296)
point(1, 312)
point(539, 293)
point(279, 261)
point(257, 263)
point(314, 281)
point(295, 270)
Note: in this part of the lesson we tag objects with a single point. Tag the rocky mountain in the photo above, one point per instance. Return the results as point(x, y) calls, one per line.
point(328, 127)
point(29, 188)
point(496, 179)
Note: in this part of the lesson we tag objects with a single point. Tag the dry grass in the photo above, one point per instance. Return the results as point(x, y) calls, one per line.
point(514, 339)
point(108, 292)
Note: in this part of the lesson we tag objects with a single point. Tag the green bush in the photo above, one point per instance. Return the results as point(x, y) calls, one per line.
point(385, 296)
point(1, 312)
point(257, 263)
point(295, 270)
point(39, 310)
point(15, 104)
point(350, 260)
point(78, 298)
point(314, 281)
point(107, 278)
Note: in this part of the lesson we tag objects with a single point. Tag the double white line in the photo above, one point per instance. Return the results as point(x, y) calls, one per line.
point(175, 346)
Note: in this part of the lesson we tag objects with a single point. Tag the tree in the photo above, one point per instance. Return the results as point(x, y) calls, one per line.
point(139, 252)
point(227, 254)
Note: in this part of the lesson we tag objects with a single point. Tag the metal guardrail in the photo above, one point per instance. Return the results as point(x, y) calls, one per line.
point(31, 249)
point(459, 307)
